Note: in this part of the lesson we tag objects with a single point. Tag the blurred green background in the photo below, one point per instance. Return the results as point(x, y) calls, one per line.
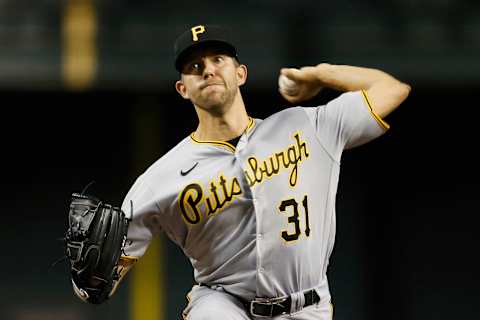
point(87, 93)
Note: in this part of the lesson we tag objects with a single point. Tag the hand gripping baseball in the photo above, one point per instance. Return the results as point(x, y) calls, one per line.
point(95, 239)
point(297, 85)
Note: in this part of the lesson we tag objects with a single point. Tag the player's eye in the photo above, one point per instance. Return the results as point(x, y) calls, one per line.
point(194, 67)
point(218, 59)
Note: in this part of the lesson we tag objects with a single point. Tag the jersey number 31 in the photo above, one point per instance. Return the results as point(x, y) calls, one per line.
point(294, 218)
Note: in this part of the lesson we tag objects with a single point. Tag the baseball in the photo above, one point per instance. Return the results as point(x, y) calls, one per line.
point(287, 85)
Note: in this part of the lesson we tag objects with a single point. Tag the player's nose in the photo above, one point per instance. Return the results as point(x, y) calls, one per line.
point(208, 69)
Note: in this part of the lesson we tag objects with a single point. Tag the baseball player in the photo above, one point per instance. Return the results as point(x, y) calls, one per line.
point(252, 202)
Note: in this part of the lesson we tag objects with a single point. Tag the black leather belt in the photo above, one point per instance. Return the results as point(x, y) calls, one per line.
point(269, 308)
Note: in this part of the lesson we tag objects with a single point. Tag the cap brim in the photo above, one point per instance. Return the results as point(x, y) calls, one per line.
point(215, 44)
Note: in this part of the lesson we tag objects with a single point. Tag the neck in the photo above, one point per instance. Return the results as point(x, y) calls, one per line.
point(230, 123)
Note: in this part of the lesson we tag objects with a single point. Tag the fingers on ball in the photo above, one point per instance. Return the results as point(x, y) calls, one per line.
point(287, 85)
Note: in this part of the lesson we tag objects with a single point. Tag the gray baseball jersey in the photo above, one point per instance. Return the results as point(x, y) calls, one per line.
point(257, 219)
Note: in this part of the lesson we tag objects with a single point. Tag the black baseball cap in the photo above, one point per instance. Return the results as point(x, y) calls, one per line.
point(202, 36)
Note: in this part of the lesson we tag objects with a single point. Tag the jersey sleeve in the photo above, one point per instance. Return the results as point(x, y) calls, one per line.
point(346, 122)
point(140, 205)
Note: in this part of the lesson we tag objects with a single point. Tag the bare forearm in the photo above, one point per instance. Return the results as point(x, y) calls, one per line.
point(349, 78)
point(385, 92)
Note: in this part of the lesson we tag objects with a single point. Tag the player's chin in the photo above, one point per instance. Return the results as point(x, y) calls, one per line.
point(215, 94)
point(212, 102)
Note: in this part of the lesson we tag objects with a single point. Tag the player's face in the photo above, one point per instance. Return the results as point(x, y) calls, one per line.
point(210, 79)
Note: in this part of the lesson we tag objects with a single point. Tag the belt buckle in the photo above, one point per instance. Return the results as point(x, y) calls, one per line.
point(266, 302)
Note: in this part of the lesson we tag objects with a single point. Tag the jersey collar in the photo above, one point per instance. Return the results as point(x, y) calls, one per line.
point(224, 144)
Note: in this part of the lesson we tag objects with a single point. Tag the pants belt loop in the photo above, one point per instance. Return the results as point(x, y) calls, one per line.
point(298, 301)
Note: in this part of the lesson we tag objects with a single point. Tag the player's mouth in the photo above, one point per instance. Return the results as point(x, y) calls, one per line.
point(211, 84)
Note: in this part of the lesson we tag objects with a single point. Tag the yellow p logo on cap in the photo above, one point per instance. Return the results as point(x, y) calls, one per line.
point(196, 31)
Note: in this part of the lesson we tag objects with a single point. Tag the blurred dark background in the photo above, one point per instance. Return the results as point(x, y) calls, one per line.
point(86, 89)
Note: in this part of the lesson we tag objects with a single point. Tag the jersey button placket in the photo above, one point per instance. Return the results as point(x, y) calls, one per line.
point(256, 205)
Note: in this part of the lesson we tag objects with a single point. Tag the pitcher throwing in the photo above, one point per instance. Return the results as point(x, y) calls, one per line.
point(252, 202)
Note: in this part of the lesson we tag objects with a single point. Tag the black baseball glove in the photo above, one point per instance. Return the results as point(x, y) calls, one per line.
point(94, 243)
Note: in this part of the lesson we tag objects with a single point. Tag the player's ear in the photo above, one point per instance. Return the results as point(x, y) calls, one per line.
point(241, 74)
point(180, 87)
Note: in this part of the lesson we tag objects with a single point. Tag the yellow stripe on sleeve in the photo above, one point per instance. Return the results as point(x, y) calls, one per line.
point(380, 121)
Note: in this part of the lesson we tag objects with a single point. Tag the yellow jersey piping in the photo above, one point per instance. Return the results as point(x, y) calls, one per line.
point(380, 121)
point(251, 124)
point(224, 144)
point(217, 143)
